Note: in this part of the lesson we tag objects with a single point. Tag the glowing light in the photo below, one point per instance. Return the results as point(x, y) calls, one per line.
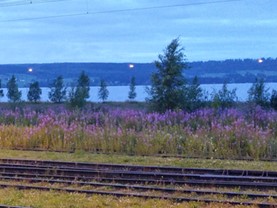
point(30, 70)
point(131, 66)
point(260, 61)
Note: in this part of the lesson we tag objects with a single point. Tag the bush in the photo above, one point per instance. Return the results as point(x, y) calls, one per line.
point(258, 93)
point(273, 99)
point(224, 98)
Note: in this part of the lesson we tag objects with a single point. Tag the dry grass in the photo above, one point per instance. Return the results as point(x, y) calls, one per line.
point(52, 199)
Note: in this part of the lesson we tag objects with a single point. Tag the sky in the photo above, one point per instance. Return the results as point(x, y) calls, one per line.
point(135, 31)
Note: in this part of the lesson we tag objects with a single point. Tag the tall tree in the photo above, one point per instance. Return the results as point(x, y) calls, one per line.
point(273, 99)
point(58, 91)
point(80, 93)
point(224, 98)
point(1, 90)
point(103, 92)
point(132, 93)
point(258, 93)
point(14, 95)
point(194, 95)
point(168, 83)
point(34, 92)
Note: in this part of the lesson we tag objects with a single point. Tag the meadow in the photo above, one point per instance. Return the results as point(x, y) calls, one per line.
point(249, 133)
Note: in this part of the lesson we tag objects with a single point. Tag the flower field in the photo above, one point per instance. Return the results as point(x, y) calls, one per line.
point(230, 133)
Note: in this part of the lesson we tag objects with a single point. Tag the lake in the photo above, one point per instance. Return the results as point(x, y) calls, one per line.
point(120, 93)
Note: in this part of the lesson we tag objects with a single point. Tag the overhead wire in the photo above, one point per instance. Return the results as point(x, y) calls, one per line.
point(117, 10)
point(28, 2)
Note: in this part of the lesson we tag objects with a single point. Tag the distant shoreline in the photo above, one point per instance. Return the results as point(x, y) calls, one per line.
point(120, 93)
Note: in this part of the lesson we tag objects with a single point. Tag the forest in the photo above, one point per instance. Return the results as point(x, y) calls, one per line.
point(208, 72)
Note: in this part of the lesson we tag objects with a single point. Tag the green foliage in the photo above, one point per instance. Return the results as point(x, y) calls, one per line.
point(1, 90)
point(34, 92)
point(224, 98)
point(258, 93)
point(79, 94)
point(58, 91)
point(14, 95)
point(103, 92)
point(273, 99)
point(194, 95)
point(132, 93)
point(168, 84)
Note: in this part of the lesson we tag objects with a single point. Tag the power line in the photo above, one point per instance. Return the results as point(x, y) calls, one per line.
point(27, 2)
point(118, 10)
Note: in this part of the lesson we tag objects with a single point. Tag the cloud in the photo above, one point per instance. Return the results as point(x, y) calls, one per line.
point(209, 31)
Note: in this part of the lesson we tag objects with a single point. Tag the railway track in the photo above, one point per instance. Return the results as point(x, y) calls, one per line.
point(172, 183)
point(7, 206)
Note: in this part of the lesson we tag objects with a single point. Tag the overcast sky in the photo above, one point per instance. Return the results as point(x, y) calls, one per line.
point(210, 31)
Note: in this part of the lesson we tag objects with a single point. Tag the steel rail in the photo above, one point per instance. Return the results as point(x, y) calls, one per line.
point(99, 179)
point(193, 182)
point(145, 168)
point(158, 177)
point(9, 206)
point(185, 175)
point(80, 173)
point(122, 194)
point(144, 188)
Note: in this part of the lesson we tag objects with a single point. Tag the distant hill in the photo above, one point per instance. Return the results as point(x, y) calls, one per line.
point(231, 71)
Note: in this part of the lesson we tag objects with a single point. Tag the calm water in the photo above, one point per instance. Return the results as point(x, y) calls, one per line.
point(120, 93)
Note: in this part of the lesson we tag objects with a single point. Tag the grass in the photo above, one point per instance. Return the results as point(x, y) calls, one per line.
point(140, 160)
point(51, 199)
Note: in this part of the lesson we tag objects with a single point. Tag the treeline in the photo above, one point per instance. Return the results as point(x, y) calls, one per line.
point(233, 70)
point(59, 93)
point(114, 74)
point(76, 95)
point(170, 91)
point(119, 74)
point(194, 98)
